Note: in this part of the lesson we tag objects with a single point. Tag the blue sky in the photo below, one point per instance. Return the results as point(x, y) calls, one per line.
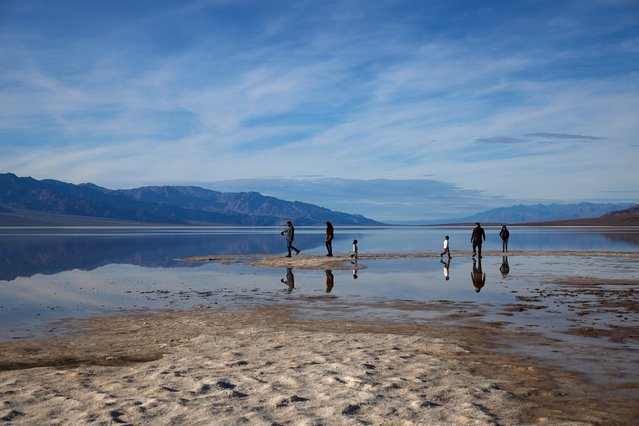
point(492, 102)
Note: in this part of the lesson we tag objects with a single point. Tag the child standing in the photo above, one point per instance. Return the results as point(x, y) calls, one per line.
point(354, 255)
point(446, 248)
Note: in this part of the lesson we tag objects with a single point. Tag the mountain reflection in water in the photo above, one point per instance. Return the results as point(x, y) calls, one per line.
point(24, 256)
point(28, 251)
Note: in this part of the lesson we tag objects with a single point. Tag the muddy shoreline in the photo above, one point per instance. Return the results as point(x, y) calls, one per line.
point(530, 391)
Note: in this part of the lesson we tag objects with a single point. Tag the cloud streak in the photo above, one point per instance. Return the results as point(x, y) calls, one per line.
point(563, 136)
point(222, 90)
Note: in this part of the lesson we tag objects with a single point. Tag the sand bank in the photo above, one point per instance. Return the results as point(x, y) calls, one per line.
point(211, 366)
point(344, 261)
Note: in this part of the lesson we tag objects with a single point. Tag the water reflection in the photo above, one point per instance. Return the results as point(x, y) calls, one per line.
point(504, 268)
point(29, 303)
point(27, 255)
point(330, 281)
point(289, 280)
point(446, 268)
point(25, 252)
point(478, 276)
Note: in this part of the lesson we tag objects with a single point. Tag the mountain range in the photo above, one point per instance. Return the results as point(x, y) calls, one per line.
point(626, 217)
point(27, 201)
point(535, 213)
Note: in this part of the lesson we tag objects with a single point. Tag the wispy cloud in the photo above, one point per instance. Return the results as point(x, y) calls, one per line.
point(565, 136)
point(217, 90)
point(501, 140)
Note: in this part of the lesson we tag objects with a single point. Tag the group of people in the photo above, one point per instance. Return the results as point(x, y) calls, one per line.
point(328, 242)
point(477, 238)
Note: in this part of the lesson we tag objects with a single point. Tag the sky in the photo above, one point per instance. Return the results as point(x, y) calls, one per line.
point(456, 106)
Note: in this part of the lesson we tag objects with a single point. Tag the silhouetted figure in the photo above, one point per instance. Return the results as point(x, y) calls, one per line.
point(290, 279)
point(446, 248)
point(290, 236)
point(504, 234)
point(329, 238)
point(329, 281)
point(446, 268)
point(355, 272)
point(504, 268)
point(478, 276)
point(355, 253)
point(477, 238)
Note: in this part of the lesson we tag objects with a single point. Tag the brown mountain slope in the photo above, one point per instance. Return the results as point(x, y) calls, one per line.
point(627, 217)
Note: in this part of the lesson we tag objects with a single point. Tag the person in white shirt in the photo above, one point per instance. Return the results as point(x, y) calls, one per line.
point(446, 248)
point(355, 253)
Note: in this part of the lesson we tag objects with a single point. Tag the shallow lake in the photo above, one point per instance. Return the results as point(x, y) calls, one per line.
point(53, 273)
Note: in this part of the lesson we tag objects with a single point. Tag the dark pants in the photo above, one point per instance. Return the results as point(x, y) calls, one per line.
point(289, 246)
point(329, 247)
point(477, 248)
point(504, 245)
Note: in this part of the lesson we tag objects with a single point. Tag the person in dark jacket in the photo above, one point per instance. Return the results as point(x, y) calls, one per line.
point(477, 238)
point(329, 239)
point(504, 234)
point(290, 236)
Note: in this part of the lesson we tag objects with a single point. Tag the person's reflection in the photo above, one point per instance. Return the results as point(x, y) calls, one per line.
point(504, 268)
point(446, 268)
point(478, 276)
point(329, 281)
point(289, 280)
point(354, 261)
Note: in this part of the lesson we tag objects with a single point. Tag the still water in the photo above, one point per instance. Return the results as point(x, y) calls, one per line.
point(50, 274)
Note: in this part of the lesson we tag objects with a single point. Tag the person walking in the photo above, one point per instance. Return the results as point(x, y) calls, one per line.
point(355, 251)
point(477, 238)
point(446, 248)
point(290, 236)
point(329, 239)
point(504, 234)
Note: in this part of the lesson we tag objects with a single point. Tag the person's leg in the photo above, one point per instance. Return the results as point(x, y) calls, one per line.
point(479, 250)
point(289, 246)
point(474, 249)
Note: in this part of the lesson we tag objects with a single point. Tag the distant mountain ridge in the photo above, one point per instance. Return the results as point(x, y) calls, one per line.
point(626, 217)
point(534, 213)
point(156, 204)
